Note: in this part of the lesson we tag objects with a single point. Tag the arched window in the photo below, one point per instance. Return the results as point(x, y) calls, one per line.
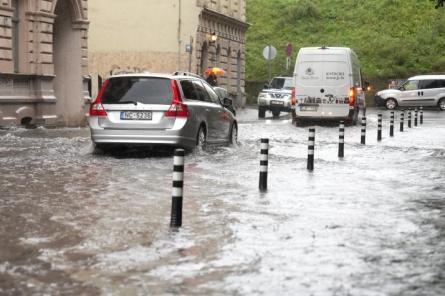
point(218, 56)
point(15, 34)
point(204, 58)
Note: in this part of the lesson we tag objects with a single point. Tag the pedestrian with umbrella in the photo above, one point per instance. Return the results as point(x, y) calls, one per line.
point(211, 73)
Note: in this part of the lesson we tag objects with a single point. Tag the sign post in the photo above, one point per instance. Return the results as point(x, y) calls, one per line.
point(289, 49)
point(269, 53)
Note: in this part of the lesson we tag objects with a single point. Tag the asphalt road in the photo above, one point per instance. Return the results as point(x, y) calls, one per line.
point(73, 222)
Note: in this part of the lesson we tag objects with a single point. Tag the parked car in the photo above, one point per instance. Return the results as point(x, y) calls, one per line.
point(422, 90)
point(328, 85)
point(179, 110)
point(275, 97)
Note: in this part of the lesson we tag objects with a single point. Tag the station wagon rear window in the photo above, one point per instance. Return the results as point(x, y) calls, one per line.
point(145, 90)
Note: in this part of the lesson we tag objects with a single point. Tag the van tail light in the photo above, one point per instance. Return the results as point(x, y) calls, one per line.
point(352, 96)
point(177, 108)
point(96, 107)
point(293, 97)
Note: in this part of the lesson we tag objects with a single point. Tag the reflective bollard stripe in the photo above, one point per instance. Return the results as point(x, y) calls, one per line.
point(402, 119)
point(379, 127)
point(341, 140)
point(264, 163)
point(177, 189)
point(415, 117)
point(391, 125)
point(311, 147)
point(363, 132)
point(421, 115)
point(409, 119)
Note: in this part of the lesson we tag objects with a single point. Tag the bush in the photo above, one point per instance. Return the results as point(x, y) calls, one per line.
point(303, 9)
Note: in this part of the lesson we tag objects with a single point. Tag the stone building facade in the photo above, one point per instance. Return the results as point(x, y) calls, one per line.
point(43, 60)
point(168, 36)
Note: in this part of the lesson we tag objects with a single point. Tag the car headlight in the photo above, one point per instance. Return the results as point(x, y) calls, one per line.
point(263, 96)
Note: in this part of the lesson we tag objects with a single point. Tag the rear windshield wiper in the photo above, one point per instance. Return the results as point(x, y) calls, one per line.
point(129, 102)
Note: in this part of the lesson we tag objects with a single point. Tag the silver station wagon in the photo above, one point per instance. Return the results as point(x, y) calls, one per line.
point(180, 110)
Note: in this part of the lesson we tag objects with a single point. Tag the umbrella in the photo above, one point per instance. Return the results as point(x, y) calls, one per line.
point(214, 70)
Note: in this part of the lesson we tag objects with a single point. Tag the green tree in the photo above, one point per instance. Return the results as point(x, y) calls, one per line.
point(439, 3)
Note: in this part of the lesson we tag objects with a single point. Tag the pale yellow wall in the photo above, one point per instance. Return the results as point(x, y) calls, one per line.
point(140, 25)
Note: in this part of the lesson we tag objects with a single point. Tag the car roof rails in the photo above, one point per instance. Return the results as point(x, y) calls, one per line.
point(182, 73)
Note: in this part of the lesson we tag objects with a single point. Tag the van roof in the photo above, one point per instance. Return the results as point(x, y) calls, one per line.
point(426, 77)
point(326, 49)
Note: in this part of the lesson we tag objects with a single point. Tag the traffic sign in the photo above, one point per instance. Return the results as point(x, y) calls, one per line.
point(269, 52)
point(289, 49)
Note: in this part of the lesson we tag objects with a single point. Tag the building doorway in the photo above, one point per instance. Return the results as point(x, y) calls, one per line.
point(67, 59)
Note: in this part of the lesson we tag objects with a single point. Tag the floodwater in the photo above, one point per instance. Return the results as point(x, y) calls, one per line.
point(73, 222)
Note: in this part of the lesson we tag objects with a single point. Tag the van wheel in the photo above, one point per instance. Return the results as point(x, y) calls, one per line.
point(441, 104)
point(261, 112)
point(391, 104)
point(276, 113)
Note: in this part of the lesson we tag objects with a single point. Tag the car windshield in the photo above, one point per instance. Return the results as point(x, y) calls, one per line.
point(146, 90)
point(281, 82)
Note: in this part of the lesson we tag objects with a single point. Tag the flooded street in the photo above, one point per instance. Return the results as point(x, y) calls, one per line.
point(74, 222)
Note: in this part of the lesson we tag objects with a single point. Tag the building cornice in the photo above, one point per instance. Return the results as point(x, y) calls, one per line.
point(225, 18)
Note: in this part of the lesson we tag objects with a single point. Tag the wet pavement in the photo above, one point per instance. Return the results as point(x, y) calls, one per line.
point(74, 222)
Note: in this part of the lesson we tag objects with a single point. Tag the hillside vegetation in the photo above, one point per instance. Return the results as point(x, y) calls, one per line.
point(392, 38)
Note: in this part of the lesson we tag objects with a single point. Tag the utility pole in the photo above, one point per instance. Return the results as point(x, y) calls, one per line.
point(179, 35)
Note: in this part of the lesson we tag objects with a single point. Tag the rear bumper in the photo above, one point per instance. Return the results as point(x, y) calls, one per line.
point(326, 112)
point(169, 137)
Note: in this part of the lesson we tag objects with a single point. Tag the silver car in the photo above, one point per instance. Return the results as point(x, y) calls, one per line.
point(180, 110)
point(422, 90)
point(275, 97)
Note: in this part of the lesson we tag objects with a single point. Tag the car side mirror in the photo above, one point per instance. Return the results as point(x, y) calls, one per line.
point(227, 102)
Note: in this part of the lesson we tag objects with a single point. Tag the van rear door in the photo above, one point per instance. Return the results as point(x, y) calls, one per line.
point(323, 78)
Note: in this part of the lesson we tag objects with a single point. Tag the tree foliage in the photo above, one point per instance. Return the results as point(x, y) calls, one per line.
point(393, 38)
point(439, 3)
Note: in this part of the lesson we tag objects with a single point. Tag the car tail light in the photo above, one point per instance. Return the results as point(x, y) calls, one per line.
point(177, 108)
point(352, 96)
point(96, 107)
point(293, 97)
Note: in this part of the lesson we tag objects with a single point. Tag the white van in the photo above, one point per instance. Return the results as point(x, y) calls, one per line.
point(327, 85)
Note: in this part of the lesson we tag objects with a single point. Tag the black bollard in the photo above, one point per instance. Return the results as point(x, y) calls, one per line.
point(402, 119)
point(409, 118)
point(363, 134)
point(177, 190)
point(264, 162)
point(310, 149)
point(379, 127)
point(415, 117)
point(341, 140)
point(421, 115)
point(391, 125)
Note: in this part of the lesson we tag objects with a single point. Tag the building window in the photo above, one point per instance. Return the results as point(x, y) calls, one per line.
point(15, 35)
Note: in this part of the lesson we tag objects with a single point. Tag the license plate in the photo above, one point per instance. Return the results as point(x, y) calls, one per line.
point(308, 108)
point(277, 103)
point(136, 115)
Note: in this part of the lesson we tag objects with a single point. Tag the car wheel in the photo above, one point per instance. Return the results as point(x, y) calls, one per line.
point(441, 104)
point(261, 112)
point(201, 138)
point(276, 113)
point(391, 104)
point(234, 134)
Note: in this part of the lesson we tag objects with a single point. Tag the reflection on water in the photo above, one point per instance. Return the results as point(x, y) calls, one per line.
point(74, 221)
